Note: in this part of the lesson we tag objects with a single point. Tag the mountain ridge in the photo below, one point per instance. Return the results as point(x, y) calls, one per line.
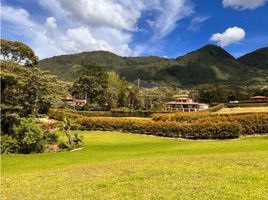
point(208, 64)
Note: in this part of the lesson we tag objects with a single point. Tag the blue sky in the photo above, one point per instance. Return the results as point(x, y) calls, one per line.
point(167, 28)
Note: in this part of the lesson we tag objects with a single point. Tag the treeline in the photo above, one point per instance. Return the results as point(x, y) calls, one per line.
point(211, 94)
point(105, 90)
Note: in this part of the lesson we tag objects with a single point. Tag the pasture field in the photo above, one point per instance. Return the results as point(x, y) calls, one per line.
point(242, 110)
point(114, 165)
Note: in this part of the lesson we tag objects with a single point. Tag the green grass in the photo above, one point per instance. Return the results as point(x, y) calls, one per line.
point(115, 165)
point(242, 110)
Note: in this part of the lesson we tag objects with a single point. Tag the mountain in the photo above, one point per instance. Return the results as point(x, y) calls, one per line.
point(256, 59)
point(209, 64)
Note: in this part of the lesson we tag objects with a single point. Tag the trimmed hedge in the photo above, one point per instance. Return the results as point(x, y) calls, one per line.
point(59, 113)
point(252, 123)
point(181, 116)
point(167, 129)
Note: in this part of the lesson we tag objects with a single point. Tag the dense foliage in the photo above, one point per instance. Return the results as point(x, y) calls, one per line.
point(204, 130)
point(26, 137)
point(25, 93)
point(252, 123)
point(18, 52)
point(211, 93)
point(59, 114)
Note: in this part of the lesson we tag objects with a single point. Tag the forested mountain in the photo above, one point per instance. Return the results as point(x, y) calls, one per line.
point(256, 59)
point(209, 64)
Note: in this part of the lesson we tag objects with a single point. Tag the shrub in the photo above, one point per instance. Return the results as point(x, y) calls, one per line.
point(252, 123)
point(166, 129)
point(180, 116)
point(26, 137)
point(9, 144)
point(51, 138)
point(59, 114)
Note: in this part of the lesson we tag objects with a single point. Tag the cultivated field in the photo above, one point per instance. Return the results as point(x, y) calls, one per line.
point(243, 110)
point(114, 165)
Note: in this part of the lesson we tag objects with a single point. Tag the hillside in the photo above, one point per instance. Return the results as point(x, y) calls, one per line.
point(256, 59)
point(209, 64)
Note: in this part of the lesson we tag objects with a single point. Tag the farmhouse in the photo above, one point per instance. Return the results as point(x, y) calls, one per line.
point(74, 102)
point(185, 104)
point(258, 98)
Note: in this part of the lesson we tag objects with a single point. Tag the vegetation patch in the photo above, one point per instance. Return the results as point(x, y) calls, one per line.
point(205, 130)
point(252, 123)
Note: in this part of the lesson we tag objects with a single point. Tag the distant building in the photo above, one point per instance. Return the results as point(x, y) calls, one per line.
point(258, 98)
point(74, 102)
point(185, 104)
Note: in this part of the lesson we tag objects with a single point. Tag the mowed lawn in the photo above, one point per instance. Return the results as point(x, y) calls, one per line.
point(114, 165)
point(243, 110)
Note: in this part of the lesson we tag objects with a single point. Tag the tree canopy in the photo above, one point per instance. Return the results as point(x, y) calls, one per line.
point(18, 52)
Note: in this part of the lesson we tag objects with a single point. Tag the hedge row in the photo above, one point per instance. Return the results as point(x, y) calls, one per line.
point(57, 113)
point(180, 116)
point(252, 123)
point(167, 129)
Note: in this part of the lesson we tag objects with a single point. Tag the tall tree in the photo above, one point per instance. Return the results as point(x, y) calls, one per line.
point(91, 85)
point(112, 90)
point(18, 52)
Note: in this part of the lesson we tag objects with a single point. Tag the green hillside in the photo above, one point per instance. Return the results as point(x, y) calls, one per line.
point(209, 64)
point(256, 59)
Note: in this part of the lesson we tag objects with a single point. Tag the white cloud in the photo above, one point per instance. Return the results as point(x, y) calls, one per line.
point(197, 22)
point(170, 12)
point(51, 23)
point(83, 25)
point(102, 13)
point(229, 36)
point(71, 42)
point(243, 4)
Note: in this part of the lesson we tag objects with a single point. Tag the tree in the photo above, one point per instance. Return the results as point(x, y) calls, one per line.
point(134, 98)
point(18, 52)
point(218, 93)
point(122, 100)
point(66, 126)
point(91, 85)
point(26, 92)
point(112, 90)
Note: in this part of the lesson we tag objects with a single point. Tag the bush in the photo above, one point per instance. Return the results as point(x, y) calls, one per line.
point(181, 116)
point(59, 114)
point(252, 123)
point(166, 129)
point(51, 138)
point(9, 144)
point(26, 138)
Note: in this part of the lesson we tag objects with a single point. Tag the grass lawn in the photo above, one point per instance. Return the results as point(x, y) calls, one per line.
point(242, 110)
point(114, 165)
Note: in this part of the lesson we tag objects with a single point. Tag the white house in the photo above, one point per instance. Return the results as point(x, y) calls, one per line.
point(185, 104)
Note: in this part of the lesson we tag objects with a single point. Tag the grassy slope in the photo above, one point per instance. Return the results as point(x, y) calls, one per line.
point(116, 165)
point(242, 110)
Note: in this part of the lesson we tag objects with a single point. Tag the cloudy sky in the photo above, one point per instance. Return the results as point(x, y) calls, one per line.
point(167, 28)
